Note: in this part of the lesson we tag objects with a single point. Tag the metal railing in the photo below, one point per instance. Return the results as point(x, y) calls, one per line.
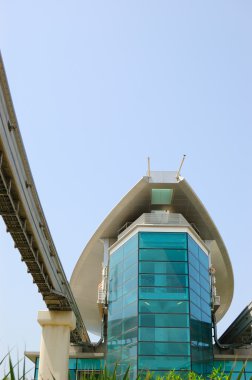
point(157, 218)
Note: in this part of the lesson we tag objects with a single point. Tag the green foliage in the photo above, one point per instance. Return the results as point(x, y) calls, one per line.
point(14, 370)
point(14, 373)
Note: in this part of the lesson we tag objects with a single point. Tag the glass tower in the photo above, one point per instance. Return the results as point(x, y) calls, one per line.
point(159, 313)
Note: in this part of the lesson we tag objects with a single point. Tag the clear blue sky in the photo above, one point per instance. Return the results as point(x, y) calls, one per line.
point(100, 85)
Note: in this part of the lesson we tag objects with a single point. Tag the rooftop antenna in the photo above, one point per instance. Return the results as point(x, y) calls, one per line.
point(148, 172)
point(178, 172)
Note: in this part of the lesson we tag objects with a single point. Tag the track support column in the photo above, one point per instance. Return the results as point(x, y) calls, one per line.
point(55, 342)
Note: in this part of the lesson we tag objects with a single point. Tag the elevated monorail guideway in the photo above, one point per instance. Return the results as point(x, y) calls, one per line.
point(24, 218)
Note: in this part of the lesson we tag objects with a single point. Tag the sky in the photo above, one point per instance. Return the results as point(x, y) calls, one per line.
point(98, 86)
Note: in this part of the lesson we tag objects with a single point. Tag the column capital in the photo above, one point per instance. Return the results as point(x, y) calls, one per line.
point(57, 318)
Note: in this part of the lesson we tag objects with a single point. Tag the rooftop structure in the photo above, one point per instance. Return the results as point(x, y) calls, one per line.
point(136, 202)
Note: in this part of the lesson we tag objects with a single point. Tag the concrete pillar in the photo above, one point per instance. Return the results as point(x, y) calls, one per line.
point(55, 342)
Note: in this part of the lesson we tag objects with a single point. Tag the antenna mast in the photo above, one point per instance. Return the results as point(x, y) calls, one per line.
point(178, 172)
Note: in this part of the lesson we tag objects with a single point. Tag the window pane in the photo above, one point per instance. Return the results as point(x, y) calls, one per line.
point(130, 310)
point(130, 260)
point(129, 351)
point(162, 240)
point(163, 306)
point(151, 348)
point(194, 285)
point(163, 293)
point(205, 283)
point(130, 272)
point(163, 267)
point(195, 311)
point(130, 285)
point(195, 262)
point(194, 273)
point(163, 362)
point(163, 280)
point(205, 295)
point(129, 323)
point(193, 246)
point(164, 334)
point(130, 297)
point(161, 196)
point(72, 364)
point(206, 307)
point(162, 255)
point(131, 246)
point(164, 320)
point(204, 259)
point(116, 257)
point(195, 298)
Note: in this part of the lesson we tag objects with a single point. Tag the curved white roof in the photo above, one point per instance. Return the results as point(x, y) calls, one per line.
point(87, 272)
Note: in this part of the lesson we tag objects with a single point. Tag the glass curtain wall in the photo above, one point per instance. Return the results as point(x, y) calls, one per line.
point(164, 331)
point(200, 311)
point(159, 316)
point(122, 309)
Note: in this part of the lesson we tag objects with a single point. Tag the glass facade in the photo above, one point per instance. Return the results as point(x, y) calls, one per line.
point(79, 368)
point(241, 369)
point(159, 315)
point(122, 311)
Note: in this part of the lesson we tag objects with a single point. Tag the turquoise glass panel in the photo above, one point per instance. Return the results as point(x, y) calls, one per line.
point(194, 261)
point(116, 278)
point(249, 366)
point(131, 246)
point(163, 293)
point(194, 285)
point(163, 280)
point(205, 295)
point(129, 260)
point(162, 240)
point(162, 255)
point(152, 348)
point(129, 351)
point(130, 272)
point(205, 283)
point(163, 267)
point(130, 310)
point(195, 298)
point(130, 285)
point(129, 298)
point(164, 334)
point(205, 318)
point(152, 306)
point(161, 196)
point(90, 363)
point(116, 258)
point(203, 258)
point(72, 374)
point(204, 272)
point(229, 365)
point(115, 328)
point(193, 247)
point(115, 293)
point(205, 307)
point(164, 320)
point(115, 307)
point(163, 362)
point(194, 273)
point(195, 311)
point(129, 323)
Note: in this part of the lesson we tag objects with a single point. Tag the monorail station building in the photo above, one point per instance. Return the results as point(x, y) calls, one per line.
point(153, 281)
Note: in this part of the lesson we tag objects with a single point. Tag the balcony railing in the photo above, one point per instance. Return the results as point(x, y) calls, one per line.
point(159, 218)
